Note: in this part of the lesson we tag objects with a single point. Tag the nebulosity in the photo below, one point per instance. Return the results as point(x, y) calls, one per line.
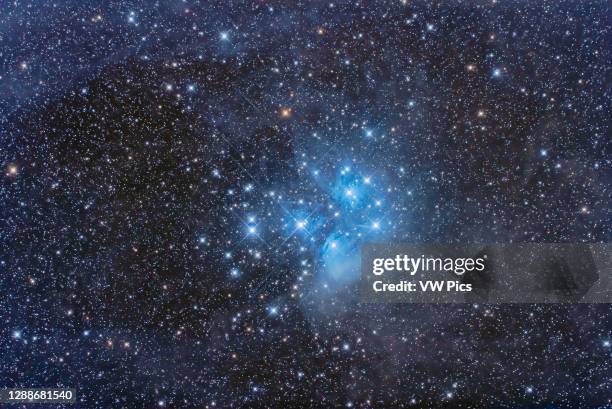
point(186, 186)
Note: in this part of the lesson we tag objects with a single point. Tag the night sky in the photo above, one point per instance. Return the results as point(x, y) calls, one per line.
point(185, 187)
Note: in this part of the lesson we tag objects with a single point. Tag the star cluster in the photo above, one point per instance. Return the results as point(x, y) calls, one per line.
point(186, 186)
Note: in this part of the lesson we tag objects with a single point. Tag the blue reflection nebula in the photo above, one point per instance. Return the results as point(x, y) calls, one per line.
point(360, 219)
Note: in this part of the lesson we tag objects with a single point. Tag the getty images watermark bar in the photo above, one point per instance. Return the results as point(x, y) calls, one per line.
point(487, 273)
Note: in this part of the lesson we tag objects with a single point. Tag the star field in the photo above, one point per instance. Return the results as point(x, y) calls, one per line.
point(186, 185)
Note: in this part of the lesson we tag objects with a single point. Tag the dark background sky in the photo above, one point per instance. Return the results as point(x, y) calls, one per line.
point(186, 185)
